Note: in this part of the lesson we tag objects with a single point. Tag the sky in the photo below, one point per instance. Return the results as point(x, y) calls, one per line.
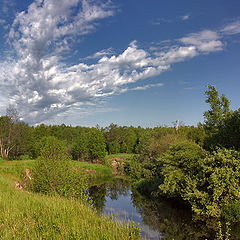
point(130, 62)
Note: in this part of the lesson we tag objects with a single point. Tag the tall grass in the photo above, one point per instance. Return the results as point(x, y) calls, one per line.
point(15, 169)
point(26, 215)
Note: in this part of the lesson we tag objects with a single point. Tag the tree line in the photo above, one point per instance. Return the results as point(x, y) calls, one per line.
point(221, 128)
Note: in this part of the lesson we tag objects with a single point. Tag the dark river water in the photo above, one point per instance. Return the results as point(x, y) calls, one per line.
point(158, 219)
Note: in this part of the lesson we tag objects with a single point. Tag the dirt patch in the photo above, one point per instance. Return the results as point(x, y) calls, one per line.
point(118, 167)
point(27, 177)
point(90, 171)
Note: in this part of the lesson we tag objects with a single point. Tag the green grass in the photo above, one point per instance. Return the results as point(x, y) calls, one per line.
point(98, 168)
point(26, 215)
point(14, 169)
point(98, 173)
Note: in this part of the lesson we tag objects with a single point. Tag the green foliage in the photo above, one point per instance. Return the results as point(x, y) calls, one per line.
point(195, 134)
point(157, 141)
point(125, 137)
point(80, 149)
point(228, 132)
point(5, 136)
point(113, 147)
point(96, 173)
point(53, 173)
point(180, 167)
point(221, 170)
point(37, 146)
point(134, 169)
point(221, 123)
point(207, 183)
point(219, 108)
point(231, 211)
point(123, 147)
point(24, 157)
point(96, 145)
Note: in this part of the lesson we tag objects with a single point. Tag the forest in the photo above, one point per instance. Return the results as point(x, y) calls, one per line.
point(198, 165)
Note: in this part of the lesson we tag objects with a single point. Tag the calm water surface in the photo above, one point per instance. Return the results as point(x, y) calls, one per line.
point(159, 219)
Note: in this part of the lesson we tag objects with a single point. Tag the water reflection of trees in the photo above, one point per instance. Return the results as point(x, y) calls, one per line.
point(174, 221)
point(164, 216)
point(112, 189)
point(98, 196)
point(118, 187)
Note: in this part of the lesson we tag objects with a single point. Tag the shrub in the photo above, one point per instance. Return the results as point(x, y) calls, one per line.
point(221, 171)
point(54, 174)
point(208, 183)
point(231, 211)
point(180, 167)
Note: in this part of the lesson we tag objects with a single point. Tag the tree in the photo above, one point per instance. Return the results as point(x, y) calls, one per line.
point(222, 124)
point(228, 134)
point(113, 147)
point(21, 140)
point(80, 149)
point(219, 109)
point(7, 130)
point(96, 145)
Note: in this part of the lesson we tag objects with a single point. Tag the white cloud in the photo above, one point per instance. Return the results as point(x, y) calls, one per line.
point(231, 29)
point(204, 41)
point(103, 52)
point(46, 88)
point(6, 6)
point(185, 17)
point(147, 86)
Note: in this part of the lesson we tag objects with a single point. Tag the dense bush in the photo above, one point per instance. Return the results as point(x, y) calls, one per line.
point(222, 179)
point(53, 173)
point(207, 183)
point(180, 167)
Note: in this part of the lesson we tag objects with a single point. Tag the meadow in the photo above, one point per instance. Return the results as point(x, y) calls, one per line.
point(27, 215)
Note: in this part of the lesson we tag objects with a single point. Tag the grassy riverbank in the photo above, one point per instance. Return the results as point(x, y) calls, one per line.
point(25, 215)
point(15, 168)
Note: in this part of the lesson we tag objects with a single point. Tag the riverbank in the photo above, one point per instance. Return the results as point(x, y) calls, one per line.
point(26, 215)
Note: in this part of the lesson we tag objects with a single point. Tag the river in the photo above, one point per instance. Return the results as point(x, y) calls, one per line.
point(158, 219)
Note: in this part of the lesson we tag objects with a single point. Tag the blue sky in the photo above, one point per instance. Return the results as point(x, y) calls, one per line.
point(129, 62)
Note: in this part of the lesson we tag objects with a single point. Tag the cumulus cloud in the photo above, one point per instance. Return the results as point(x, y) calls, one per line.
point(45, 87)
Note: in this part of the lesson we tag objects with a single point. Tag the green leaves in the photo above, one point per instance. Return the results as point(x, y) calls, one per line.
point(53, 173)
point(89, 146)
point(180, 166)
point(219, 108)
point(208, 182)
